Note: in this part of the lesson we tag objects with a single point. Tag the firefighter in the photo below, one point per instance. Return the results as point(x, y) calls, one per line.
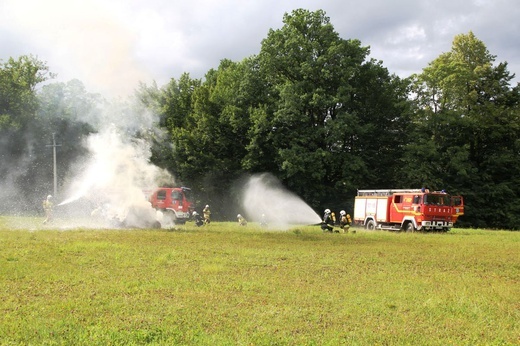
point(198, 219)
point(263, 221)
point(327, 224)
point(47, 208)
point(241, 220)
point(345, 221)
point(207, 214)
point(349, 221)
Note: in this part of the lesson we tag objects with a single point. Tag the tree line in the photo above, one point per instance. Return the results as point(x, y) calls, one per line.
point(316, 111)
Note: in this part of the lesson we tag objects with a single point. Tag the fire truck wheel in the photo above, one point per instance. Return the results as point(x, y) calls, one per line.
point(371, 225)
point(409, 227)
point(169, 217)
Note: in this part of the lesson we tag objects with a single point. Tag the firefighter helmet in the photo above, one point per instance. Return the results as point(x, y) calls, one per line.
point(327, 211)
point(342, 213)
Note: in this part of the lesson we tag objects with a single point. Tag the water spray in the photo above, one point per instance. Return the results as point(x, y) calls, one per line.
point(115, 177)
point(265, 196)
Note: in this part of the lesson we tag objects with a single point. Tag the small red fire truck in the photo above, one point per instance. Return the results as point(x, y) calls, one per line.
point(175, 202)
point(407, 209)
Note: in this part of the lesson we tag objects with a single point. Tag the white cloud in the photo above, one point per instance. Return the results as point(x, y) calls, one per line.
point(111, 45)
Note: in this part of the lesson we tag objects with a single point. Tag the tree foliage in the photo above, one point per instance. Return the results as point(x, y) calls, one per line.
point(29, 117)
point(467, 132)
point(332, 108)
point(18, 80)
point(18, 107)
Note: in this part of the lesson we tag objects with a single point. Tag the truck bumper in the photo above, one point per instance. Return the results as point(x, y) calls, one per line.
point(180, 215)
point(436, 225)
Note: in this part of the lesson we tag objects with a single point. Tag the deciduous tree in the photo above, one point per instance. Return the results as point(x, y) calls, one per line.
point(467, 130)
point(337, 115)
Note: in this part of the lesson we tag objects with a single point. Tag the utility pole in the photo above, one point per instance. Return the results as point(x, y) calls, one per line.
point(54, 145)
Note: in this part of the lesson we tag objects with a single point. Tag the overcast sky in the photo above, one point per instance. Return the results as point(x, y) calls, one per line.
point(111, 45)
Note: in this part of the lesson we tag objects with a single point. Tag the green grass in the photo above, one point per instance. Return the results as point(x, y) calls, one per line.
point(228, 285)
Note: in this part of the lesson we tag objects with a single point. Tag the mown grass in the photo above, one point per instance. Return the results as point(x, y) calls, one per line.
point(228, 285)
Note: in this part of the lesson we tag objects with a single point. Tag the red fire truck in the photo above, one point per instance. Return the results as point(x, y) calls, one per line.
point(175, 202)
point(407, 209)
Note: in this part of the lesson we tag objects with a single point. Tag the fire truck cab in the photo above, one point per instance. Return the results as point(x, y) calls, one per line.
point(407, 209)
point(175, 203)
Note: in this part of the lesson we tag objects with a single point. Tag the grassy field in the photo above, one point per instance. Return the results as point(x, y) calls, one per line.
point(228, 285)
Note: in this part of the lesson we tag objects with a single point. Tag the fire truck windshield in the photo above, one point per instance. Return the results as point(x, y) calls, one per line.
point(437, 199)
point(188, 195)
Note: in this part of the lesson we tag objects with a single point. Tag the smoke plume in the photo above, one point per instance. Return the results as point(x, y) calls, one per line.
point(114, 181)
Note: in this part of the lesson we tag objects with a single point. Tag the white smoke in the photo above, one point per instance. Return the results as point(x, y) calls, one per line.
point(265, 196)
point(118, 174)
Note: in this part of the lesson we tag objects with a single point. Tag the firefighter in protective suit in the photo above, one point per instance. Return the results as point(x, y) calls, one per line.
point(345, 221)
point(327, 225)
point(198, 219)
point(241, 220)
point(47, 208)
point(207, 213)
point(263, 221)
